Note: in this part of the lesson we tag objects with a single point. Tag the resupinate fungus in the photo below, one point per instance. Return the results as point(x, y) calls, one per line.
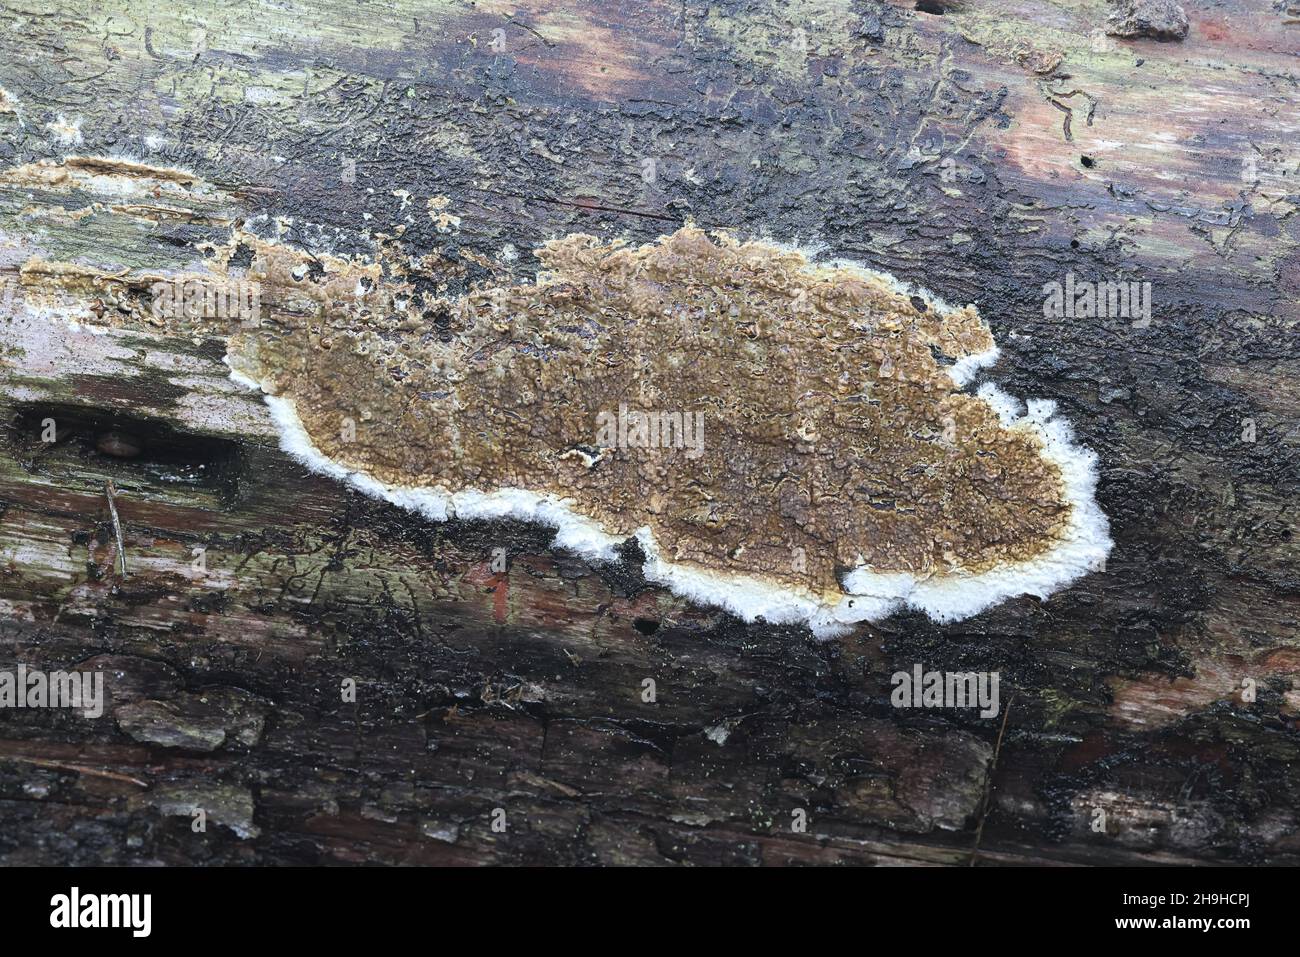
point(837, 470)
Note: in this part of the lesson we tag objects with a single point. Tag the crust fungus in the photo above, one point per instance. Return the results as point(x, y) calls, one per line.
point(786, 440)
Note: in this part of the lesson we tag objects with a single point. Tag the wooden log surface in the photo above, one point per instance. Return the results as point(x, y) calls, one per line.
point(980, 150)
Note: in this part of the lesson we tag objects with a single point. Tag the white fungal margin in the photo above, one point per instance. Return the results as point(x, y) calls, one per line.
point(963, 370)
point(967, 367)
point(870, 596)
point(574, 532)
point(1081, 547)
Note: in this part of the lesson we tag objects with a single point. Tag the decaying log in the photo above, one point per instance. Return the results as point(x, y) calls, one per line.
point(980, 150)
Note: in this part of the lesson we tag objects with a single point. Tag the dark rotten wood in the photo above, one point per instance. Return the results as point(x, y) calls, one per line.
point(980, 150)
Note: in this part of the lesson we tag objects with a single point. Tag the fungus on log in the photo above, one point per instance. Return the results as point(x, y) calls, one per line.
point(475, 203)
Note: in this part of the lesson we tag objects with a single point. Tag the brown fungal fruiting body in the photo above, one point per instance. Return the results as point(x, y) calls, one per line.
point(785, 439)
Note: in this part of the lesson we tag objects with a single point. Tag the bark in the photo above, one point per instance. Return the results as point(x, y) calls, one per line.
point(978, 150)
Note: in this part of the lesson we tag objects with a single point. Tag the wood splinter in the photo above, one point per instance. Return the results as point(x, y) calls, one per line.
point(110, 491)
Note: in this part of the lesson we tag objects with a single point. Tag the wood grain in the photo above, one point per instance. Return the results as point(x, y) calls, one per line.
point(981, 153)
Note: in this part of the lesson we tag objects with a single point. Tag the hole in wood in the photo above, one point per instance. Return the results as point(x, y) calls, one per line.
point(84, 446)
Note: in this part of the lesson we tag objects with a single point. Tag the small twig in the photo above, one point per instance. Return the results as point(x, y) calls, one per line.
point(117, 526)
point(988, 784)
point(523, 26)
point(79, 768)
